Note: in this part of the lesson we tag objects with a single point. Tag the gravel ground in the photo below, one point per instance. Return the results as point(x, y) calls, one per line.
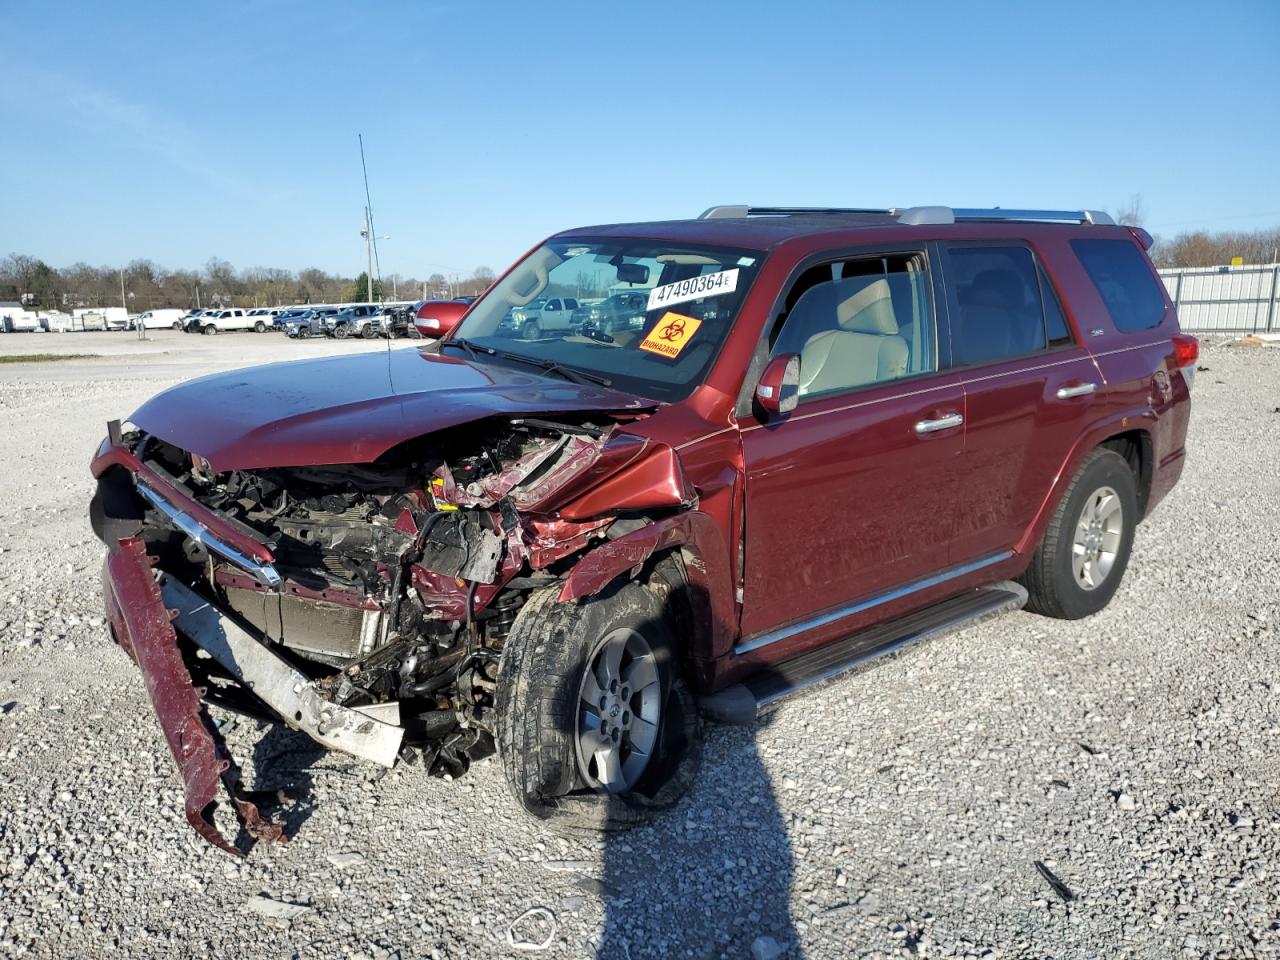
point(895, 812)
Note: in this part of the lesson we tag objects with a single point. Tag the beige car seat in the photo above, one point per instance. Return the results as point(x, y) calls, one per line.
point(866, 347)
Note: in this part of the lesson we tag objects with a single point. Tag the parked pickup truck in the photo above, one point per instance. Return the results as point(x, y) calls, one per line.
point(354, 321)
point(836, 433)
point(544, 315)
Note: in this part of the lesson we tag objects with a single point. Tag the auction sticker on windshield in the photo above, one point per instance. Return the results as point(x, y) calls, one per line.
point(671, 334)
point(707, 285)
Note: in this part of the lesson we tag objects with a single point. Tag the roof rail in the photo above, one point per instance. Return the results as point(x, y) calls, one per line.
point(725, 211)
point(935, 215)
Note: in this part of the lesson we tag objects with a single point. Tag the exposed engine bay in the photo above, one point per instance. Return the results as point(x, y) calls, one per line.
point(396, 582)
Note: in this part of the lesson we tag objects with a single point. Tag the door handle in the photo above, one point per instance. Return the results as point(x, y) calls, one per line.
point(942, 423)
point(1076, 390)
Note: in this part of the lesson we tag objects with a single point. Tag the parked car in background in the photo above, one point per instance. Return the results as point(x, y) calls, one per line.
point(191, 319)
point(622, 311)
point(397, 321)
point(218, 320)
point(286, 314)
point(165, 317)
point(543, 315)
point(261, 319)
point(313, 323)
point(353, 321)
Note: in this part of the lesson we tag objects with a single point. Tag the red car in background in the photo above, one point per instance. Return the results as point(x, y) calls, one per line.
point(836, 432)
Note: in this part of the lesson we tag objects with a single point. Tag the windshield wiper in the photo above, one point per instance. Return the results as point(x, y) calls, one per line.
point(551, 366)
point(466, 345)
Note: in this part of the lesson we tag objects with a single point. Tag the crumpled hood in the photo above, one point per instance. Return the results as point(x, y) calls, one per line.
point(351, 409)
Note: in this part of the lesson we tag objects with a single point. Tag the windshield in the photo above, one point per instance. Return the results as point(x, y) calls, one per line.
point(648, 315)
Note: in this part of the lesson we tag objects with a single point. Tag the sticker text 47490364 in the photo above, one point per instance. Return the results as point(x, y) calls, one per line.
point(707, 285)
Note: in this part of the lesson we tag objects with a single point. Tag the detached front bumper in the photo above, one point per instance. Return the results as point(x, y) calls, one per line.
point(143, 609)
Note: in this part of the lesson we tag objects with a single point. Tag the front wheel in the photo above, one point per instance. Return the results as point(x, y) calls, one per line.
point(369, 331)
point(209, 330)
point(341, 331)
point(177, 325)
point(596, 727)
point(530, 330)
point(1081, 559)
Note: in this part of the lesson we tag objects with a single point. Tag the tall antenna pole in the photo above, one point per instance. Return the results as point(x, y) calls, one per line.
point(371, 242)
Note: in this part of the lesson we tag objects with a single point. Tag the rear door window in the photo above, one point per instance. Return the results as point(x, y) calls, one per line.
point(1124, 281)
point(996, 308)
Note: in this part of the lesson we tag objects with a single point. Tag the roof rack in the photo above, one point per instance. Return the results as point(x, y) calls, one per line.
point(725, 211)
point(916, 215)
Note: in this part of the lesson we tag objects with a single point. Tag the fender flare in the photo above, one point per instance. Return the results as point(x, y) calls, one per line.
point(1143, 419)
point(706, 563)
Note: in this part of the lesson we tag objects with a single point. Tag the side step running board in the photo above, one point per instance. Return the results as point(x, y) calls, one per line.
point(742, 703)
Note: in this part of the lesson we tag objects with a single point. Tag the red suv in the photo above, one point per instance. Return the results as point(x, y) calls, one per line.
point(835, 432)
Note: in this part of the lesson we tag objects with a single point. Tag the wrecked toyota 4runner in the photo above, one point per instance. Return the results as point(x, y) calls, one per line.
point(834, 433)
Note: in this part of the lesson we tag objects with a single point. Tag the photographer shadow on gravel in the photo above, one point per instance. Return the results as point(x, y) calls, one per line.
point(280, 777)
point(705, 868)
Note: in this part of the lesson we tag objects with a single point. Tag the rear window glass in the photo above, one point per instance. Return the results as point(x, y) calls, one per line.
point(1124, 281)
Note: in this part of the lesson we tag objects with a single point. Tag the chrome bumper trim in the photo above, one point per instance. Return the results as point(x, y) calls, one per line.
point(265, 573)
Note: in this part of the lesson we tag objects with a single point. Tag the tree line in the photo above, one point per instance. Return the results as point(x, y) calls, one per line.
point(145, 285)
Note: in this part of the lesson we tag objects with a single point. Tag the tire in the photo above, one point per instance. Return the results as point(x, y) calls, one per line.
point(259, 327)
point(541, 685)
point(529, 330)
point(341, 331)
point(177, 325)
point(368, 332)
point(209, 330)
point(1057, 585)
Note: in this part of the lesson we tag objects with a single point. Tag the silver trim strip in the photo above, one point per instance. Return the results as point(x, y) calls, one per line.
point(265, 573)
point(848, 610)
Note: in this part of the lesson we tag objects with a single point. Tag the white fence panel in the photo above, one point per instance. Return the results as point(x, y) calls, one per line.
point(1226, 299)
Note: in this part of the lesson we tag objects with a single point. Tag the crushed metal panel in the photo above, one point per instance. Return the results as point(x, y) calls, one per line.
point(277, 683)
point(196, 747)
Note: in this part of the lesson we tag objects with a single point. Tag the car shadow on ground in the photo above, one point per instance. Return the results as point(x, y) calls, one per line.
point(729, 827)
point(280, 777)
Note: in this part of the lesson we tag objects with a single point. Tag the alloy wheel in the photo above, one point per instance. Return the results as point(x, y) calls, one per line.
point(619, 710)
point(1097, 538)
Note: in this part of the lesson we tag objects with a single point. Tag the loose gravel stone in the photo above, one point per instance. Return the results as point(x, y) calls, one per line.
point(896, 813)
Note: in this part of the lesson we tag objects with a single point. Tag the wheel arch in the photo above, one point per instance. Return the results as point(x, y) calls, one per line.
point(1129, 435)
point(687, 554)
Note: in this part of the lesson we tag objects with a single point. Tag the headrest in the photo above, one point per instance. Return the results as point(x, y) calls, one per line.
point(870, 310)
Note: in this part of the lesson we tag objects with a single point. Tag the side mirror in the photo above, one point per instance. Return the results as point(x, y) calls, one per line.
point(778, 391)
point(437, 318)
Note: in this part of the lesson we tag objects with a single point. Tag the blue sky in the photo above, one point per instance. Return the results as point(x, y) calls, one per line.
point(182, 131)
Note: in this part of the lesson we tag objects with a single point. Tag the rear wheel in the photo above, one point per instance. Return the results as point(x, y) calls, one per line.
point(1079, 564)
point(259, 327)
point(596, 727)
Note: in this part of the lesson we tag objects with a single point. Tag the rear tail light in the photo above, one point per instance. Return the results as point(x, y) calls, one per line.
point(1186, 353)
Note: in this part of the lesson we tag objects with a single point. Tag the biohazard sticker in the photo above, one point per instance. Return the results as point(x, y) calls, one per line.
point(671, 334)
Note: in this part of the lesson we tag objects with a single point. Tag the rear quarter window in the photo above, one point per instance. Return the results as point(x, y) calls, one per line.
point(1124, 281)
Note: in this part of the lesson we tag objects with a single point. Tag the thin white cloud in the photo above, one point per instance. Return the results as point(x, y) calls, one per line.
point(104, 113)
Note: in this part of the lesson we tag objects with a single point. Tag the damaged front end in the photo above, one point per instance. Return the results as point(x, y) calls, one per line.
point(366, 604)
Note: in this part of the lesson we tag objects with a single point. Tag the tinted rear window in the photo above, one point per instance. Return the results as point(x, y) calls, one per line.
point(1124, 280)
